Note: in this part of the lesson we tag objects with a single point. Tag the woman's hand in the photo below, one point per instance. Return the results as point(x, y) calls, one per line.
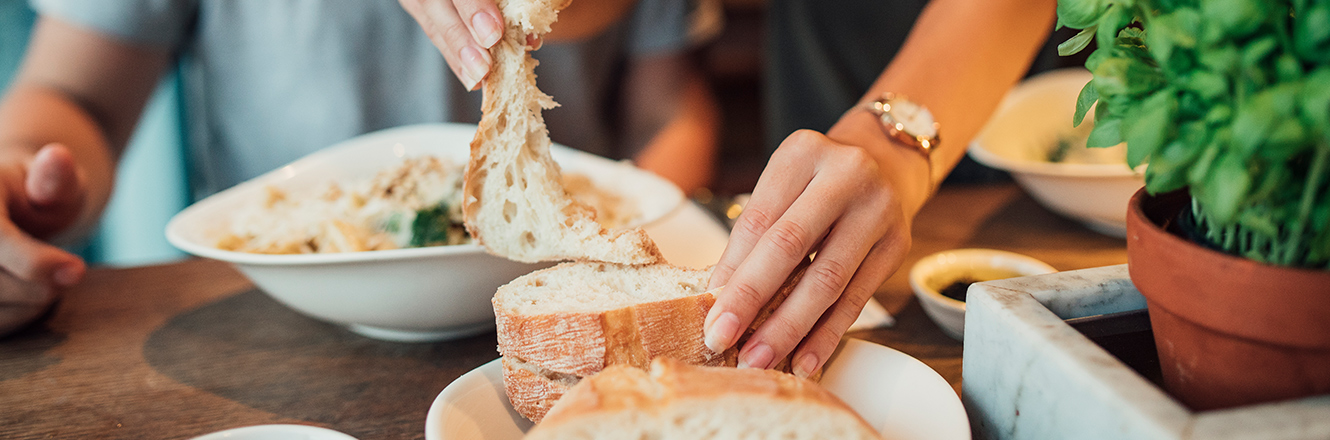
point(40, 196)
point(463, 30)
point(837, 199)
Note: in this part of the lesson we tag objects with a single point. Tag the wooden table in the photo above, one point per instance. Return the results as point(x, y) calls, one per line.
point(180, 350)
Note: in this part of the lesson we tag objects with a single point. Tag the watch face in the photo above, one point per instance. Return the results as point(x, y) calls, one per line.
point(914, 118)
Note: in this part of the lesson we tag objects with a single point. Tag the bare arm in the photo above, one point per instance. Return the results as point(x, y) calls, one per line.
point(674, 117)
point(851, 194)
point(63, 123)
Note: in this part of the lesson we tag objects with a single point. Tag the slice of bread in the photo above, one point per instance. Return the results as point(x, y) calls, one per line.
point(684, 402)
point(514, 203)
point(578, 317)
point(558, 325)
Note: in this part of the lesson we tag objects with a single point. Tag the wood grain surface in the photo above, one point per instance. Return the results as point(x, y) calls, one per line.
point(181, 350)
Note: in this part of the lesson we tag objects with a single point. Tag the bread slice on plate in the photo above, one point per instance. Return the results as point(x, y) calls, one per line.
point(514, 203)
point(675, 400)
point(558, 325)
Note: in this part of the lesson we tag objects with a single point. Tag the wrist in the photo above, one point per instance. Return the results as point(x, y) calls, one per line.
point(909, 171)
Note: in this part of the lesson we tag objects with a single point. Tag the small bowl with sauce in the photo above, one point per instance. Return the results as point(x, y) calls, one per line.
point(941, 280)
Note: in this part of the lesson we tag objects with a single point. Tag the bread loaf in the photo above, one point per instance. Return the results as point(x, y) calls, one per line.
point(514, 203)
point(676, 401)
point(558, 325)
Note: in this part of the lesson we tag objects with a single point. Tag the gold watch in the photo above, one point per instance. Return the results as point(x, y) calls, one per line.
point(908, 123)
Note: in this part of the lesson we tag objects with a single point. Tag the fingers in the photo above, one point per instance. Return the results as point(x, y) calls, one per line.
point(778, 250)
point(482, 18)
point(44, 195)
point(446, 28)
point(53, 181)
point(784, 179)
point(35, 261)
point(841, 256)
point(822, 339)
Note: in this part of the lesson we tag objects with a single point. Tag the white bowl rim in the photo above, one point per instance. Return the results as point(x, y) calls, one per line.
point(993, 160)
point(927, 265)
point(1020, 92)
point(175, 237)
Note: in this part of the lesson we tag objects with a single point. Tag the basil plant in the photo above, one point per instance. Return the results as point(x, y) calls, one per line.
point(1229, 99)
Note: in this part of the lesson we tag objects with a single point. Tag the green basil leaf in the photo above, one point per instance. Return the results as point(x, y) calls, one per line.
point(1207, 84)
point(1167, 168)
point(1315, 98)
point(1106, 133)
point(1223, 59)
point(1225, 192)
point(1311, 33)
point(1200, 170)
point(1113, 20)
point(1077, 43)
point(1084, 102)
point(1237, 18)
point(1147, 128)
point(1286, 140)
point(1259, 48)
point(1080, 14)
point(1288, 68)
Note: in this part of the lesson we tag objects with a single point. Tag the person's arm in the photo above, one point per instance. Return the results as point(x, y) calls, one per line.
point(671, 112)
point(63, 123)
point(850, 195)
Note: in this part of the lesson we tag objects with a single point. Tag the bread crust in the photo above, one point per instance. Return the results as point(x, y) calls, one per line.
point(673, 383)
point(530, 393)
point(583, 343)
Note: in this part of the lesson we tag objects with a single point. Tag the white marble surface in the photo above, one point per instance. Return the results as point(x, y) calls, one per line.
point(1027, 374)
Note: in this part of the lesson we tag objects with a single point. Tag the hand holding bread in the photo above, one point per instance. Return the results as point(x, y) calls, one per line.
point(816, 195)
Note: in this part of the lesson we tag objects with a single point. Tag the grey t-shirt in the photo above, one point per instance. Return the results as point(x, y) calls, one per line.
point(268, 81)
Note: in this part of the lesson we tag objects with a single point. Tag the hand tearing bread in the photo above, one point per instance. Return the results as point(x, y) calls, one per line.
point(676, 401)
point(513, 201)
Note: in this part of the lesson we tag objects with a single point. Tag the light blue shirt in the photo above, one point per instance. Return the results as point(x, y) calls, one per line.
point(268, 81)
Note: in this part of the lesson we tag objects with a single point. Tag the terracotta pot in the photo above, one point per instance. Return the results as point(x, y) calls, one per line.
point(1230, 331)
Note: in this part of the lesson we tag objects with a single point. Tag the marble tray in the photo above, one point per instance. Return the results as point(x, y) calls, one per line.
point(1027, 374)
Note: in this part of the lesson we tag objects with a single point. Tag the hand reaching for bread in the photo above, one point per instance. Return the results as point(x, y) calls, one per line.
point(816, 195)
point(463, 30)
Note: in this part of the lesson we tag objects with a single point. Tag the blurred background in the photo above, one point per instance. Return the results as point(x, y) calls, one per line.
point(151, 185)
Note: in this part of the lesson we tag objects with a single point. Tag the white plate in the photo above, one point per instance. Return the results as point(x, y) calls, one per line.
point(277, 432)
point(897, 394)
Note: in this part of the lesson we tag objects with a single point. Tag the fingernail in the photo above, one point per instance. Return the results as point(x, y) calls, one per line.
point(485, 28)
point(67, 276)
point(756, 357)
point(805, 366)
point(474, 67)
point(720, 335)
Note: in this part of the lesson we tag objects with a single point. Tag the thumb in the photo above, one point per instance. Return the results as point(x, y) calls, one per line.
point(54, 181)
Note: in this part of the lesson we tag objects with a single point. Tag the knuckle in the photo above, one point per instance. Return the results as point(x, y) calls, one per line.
point(784, 332)
point(742, 296)
point(829, 277)
point(788, 238)
point(800, 142)
point(754, 222)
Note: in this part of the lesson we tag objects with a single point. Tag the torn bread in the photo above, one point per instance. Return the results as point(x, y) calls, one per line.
point(675, 400)
point(558, 325)
point(514, 203)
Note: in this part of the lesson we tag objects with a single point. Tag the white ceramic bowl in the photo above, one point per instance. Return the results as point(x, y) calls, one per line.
point(1016, 139)
point(935, 272)
point(416, 294)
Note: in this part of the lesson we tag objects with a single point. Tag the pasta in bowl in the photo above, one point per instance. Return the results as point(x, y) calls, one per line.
point(363, 233)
